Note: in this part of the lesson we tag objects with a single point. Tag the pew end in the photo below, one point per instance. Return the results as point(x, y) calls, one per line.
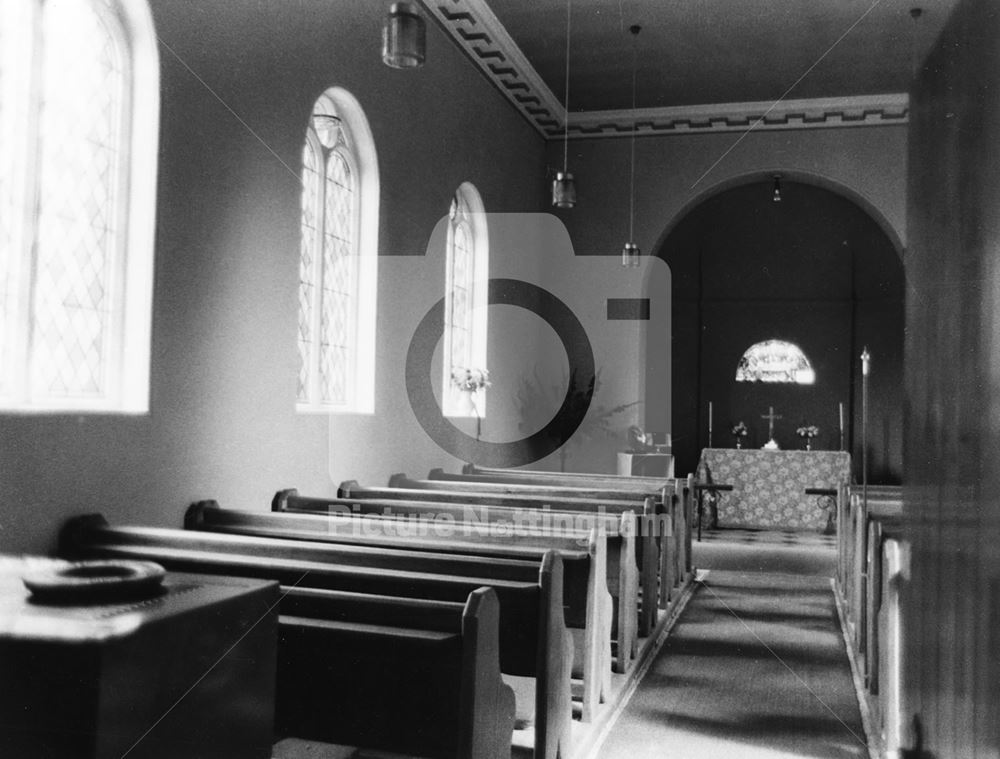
point(194, 516)
point(344, 488)
point(487, 703)
point(280, 500)
point(398, 480)
point(72, 535)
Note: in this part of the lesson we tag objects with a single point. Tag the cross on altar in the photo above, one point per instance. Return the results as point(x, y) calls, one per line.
point(770, 416)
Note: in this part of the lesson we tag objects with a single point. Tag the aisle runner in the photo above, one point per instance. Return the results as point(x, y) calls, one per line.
point(755, 669)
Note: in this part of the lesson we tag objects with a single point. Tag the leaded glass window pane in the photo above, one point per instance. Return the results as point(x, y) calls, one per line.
point(15, 78)
point(307, 264)
point(460, 315)
point(77, 247)
point(336, 323)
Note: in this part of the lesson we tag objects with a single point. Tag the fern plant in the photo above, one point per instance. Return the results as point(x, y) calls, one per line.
point(537, 398)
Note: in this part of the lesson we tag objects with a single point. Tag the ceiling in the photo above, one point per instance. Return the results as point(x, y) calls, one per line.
point(694, 52)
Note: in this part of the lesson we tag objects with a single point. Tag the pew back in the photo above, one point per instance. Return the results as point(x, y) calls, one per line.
point(532, 506)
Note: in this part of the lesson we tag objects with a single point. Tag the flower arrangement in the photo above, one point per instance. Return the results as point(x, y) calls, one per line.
point(808, 433)
point(468, 379)
point(739, 430)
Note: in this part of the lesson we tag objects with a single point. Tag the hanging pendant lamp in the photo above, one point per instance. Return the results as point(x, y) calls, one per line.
point(563, 187)
point(630, 252)
point(776, 191)
point(404, 37)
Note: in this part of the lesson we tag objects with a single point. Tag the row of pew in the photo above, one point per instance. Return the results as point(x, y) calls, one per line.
point(871, 565)
point(458, 615)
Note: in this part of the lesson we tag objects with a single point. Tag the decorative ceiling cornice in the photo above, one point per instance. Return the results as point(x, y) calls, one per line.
point(477, 30)
point(862, 110)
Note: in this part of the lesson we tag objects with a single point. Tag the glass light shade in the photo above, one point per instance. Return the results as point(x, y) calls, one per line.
point(404, 37)
point(563, 190)
point(630, 255)
point(776, 194)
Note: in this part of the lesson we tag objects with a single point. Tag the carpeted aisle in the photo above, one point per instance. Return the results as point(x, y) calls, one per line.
point(755, 668)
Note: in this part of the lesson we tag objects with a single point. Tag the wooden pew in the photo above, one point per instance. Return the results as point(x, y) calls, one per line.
point(533, 639)
point(629, 483)
point(468, 515)
point(870, 547)
point(649, 510)
point(584, 553)
point(582, 488)
point(605, 596)
point(362, 679)
point(669, 489)
point(600, 485)
point(524, 508)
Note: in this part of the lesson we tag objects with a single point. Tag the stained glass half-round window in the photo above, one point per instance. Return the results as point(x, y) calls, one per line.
point(775, 361)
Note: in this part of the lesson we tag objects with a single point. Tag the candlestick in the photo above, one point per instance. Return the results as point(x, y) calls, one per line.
point(841, 405)
point(865, 365)
point(709, 424)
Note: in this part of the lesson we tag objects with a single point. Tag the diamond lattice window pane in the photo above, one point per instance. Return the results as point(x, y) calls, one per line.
point(77, 249)
point(307, 265)
point(15, 77)
point(460, 316)
point(339, 265)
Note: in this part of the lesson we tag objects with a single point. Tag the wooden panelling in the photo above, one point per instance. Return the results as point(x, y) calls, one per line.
point(953, 390)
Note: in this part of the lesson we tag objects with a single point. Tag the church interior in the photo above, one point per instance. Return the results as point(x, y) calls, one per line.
point(261, 259)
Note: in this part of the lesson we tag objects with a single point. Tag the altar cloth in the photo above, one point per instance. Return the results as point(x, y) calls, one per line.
point(769, 486)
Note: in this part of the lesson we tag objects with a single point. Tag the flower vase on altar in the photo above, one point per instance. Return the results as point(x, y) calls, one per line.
point(739, 431)
point(808, 433)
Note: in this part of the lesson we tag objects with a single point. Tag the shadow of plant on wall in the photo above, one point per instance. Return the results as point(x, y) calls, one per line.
point(537, 399)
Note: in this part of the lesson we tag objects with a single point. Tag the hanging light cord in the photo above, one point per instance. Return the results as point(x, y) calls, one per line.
point(569, 4)
point(631, 194)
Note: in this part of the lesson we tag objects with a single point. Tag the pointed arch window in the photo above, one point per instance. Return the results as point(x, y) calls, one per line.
point(338, 261)
point(465, 309)
point(79, 123)
point(775, 361)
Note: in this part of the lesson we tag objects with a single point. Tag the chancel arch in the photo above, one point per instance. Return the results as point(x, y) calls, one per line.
point(816, 269)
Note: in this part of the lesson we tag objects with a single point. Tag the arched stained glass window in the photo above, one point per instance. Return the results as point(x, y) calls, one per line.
point(775, 361)
point(338, 259)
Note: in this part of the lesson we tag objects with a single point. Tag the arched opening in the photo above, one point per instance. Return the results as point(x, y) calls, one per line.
point(815, 270)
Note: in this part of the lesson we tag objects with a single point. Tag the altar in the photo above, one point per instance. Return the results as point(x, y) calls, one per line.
point(769, 486)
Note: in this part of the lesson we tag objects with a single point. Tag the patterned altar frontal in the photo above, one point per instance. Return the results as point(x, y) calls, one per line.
point(769, 487)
